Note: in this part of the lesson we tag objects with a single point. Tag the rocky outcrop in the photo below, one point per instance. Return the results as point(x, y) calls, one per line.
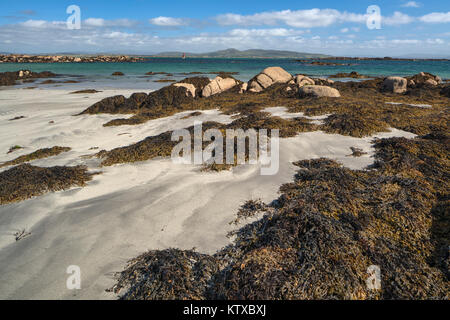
point(10, 78)
point(424, 79)
point(118, 73)
point(268, 77)
point(318, 91)
point(244, 87)
point(219, 85)
point(302, 80)
point(395, 84)
point(21, 58)
point(190, 88)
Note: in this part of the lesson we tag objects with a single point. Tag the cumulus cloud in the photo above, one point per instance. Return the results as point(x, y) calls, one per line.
point(277, 32)
point(168, 22)
point(398, 18)
point(411, 4)
point(298, 18)
point(435, 41)
point(283, 30)
point(99, 22)
point(436, 17)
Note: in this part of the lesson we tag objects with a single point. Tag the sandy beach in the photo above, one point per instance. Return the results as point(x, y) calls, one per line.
point(129, 208)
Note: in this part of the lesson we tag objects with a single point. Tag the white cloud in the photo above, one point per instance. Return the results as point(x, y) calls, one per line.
point(436, 17)
point(95, 22)
point(278, 32)
point(41, 24)
point(99, 22)
point(435, 41)
point(168, 22)
point(345, 30)
point(398, 18)
point(411, 4)
point(299, 18)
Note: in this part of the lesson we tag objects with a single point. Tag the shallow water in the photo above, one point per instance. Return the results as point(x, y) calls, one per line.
point(98, 75)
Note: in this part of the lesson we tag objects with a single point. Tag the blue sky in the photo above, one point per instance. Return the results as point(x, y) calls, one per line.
point(144, 27)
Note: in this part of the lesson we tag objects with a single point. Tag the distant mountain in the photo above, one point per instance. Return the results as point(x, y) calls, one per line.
point(252, 53)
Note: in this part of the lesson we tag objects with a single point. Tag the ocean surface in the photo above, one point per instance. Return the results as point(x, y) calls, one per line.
point(98, 75)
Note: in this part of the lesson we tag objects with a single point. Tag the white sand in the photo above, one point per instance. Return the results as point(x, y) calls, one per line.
point(130, 208)
point(425, 106)
point(282, 112)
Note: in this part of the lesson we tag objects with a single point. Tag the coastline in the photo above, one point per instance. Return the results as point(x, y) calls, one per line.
point(132, 207)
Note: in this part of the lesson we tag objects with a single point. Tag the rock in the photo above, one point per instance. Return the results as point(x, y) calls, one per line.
point(9, 78)
point(431, 82)
point(190, 88)
point(268, 77)
point(395, 84)
point(77, 59)
point(244, 87)
point(218, 85)
point(118, 73)
point(302, 80)
point(424, 79)
point(318, 91)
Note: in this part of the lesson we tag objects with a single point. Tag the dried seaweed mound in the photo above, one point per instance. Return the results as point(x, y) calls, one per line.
point(446, 91)
point(39, 154)
point(26, 181)
point(166, 97)
point(353, 125)
point(263, 120)
point(117, 104)
point(167, 275)
point(329, 226)
point(162, 144)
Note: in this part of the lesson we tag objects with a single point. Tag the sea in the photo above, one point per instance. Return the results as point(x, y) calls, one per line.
point(99, 75)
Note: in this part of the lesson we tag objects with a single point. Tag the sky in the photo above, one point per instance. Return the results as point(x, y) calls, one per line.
point(405, 28)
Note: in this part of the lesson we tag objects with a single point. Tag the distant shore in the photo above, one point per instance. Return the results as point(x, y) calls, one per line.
point(317, 60)
point(23, 58)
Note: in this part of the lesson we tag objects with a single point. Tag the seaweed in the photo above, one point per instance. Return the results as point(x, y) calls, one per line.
point(38, 154)
point(25, 181)
point(327, 228)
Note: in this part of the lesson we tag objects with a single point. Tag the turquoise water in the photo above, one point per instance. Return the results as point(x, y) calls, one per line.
point(99, 74)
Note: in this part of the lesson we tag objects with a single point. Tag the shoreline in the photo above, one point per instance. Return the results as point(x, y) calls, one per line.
point(140, 204)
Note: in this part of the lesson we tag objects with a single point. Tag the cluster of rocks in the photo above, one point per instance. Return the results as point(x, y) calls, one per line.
point(401, 85)
point(10, 78)
point(272, 75)
point(265, 79)
point(20, 58)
